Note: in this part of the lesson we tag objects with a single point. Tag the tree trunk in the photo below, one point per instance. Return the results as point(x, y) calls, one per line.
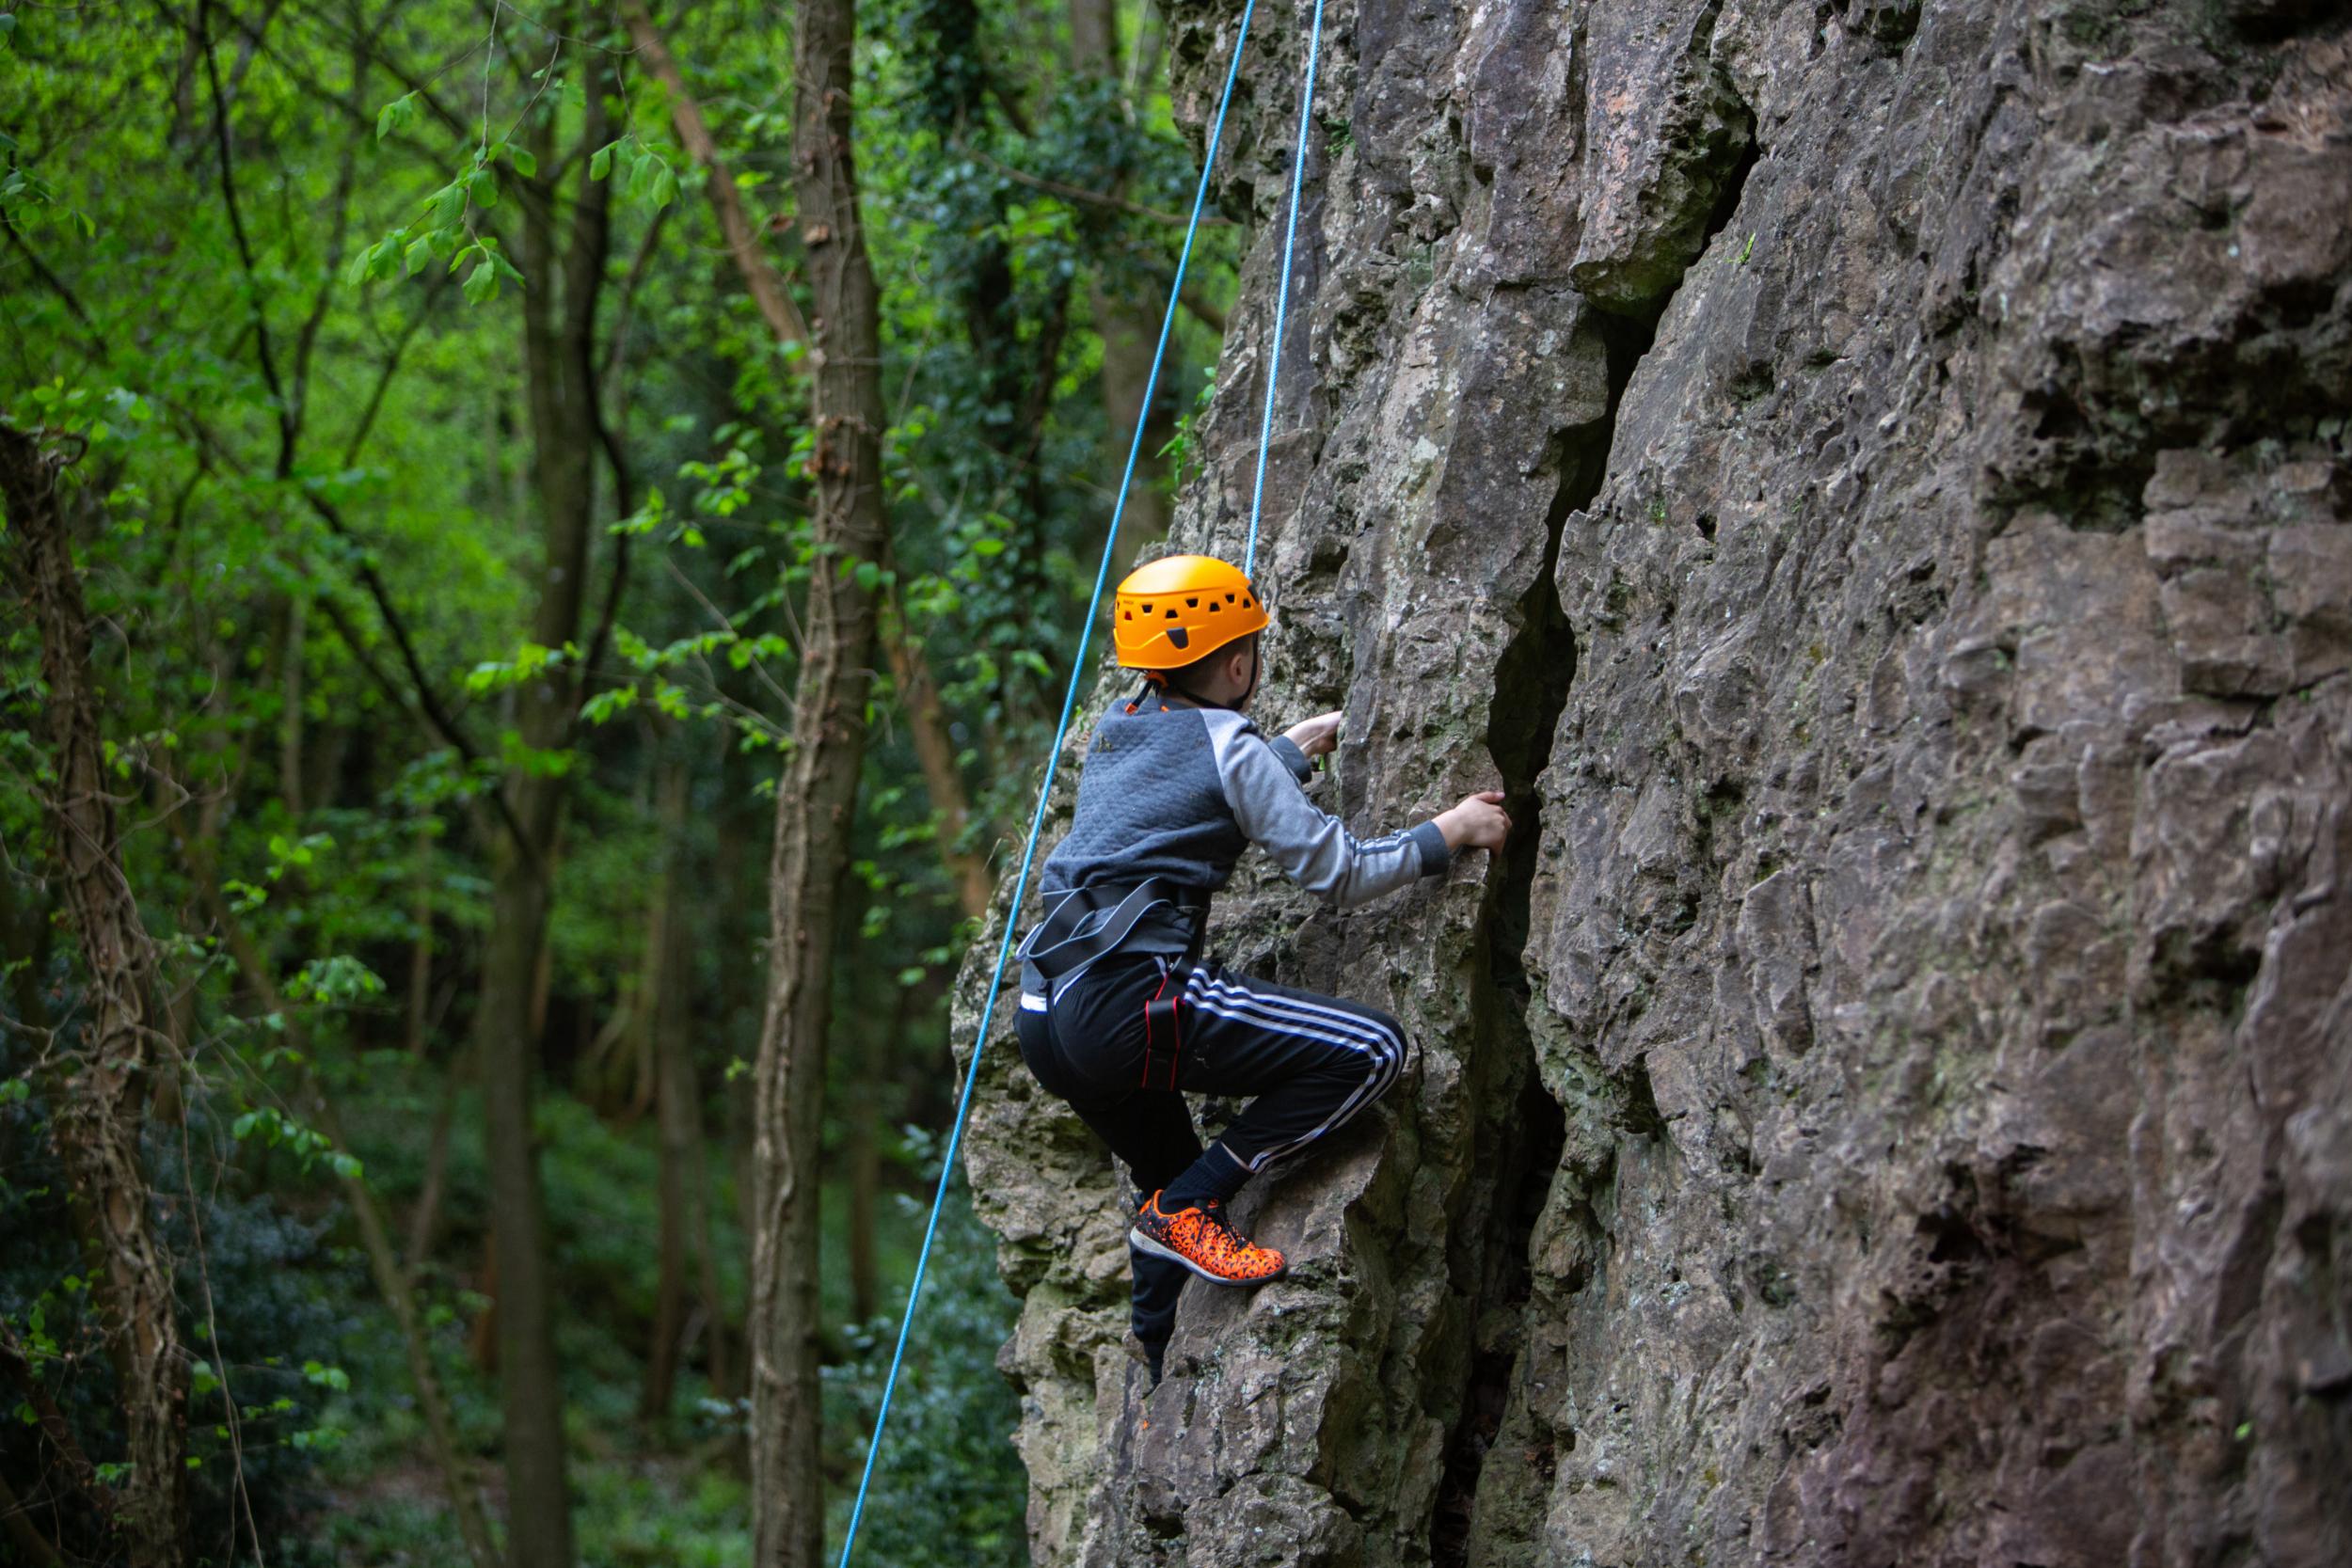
point(559, 349)
point(1129, 336)
point(290, 720)
point(677, 1096)
point(420, 952)
point(877, 1056)
point(426, 1219)
point(817, 797)
point(722, 1364)
point(100, 1112)
point(919, 694)
point(935, 754)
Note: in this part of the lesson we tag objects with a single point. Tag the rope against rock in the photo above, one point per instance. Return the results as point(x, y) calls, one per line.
point(1077, 665)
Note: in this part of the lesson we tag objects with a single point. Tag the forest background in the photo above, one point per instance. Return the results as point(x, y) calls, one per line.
point(477, 574)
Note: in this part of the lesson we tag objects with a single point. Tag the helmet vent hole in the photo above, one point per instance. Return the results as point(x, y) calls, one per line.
point(1215, 606)
point(1229, 598)
point(1192, 603)
point(1172, 615)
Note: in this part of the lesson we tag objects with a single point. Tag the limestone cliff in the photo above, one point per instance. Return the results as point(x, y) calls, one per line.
point(1871, 479)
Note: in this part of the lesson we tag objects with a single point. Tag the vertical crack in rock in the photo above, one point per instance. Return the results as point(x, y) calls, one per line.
point(1482, 1519)
point(1520, 1127)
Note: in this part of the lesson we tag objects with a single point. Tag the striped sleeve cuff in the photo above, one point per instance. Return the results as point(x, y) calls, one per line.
point(1434, 856)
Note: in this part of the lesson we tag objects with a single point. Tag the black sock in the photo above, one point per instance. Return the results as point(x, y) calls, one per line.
point(1217, 1176)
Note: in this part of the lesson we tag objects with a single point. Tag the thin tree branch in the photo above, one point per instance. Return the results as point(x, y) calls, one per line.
point(392, 365)
point(392, 1281)
point(1199, 305)
point(286, 416)
point(639, 265)
point(17, 1518)
point(75, 1464)
point(51, 280)
point(1092, 199)
point(759, 273)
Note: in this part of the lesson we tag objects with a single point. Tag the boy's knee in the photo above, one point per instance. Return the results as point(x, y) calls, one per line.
point(1389, 1053)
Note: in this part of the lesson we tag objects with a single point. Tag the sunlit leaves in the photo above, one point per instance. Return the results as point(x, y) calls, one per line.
point(270, 1127)
point(105, 416)
point(646, 174)
point(395, 115)
point(529, 663)
point(336, 980)
point(445, 232)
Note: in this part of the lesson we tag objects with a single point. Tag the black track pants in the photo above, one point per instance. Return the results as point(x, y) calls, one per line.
point(1311, 1062)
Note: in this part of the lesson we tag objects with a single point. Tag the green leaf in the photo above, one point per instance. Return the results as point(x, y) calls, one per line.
point(665, 188)
point(395, 115)
point(606, 705)
point(482, 185)
point(601, 161)
point(525, 163)
point(482, 284)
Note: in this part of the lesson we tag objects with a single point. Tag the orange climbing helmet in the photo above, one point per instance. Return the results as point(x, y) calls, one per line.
point(1178, 611)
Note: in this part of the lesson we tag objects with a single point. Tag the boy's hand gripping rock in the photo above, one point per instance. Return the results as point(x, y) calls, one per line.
point(1478, 823)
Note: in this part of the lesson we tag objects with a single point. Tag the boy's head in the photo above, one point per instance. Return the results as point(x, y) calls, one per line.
point(1193, 622)
point(1226, 678)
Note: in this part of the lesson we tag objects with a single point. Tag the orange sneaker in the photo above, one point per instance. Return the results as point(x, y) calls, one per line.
point(1202, 1241)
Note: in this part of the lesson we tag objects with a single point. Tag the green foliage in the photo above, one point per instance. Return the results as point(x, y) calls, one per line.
point(949, 1490)
point(264, 1396)
point(283, 321)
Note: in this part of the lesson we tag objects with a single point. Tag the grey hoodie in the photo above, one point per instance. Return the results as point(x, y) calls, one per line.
point(1179, 792)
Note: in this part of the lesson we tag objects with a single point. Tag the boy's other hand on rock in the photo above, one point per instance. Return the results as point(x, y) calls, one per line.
point(1478, 823)
point(1315, 736)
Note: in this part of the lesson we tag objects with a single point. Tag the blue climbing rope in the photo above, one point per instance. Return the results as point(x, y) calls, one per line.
point(1282, 294)
point(1053, 759)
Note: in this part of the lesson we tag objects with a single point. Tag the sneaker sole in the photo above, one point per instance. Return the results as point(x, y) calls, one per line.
point(1161, 1249)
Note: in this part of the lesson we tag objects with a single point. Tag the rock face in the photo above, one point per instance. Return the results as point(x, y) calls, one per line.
point(1871, 479)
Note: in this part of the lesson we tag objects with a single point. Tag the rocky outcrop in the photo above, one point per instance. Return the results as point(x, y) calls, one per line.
point(1871, 479)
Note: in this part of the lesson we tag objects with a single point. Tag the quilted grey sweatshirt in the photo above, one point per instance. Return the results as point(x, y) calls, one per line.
point(1180, 792)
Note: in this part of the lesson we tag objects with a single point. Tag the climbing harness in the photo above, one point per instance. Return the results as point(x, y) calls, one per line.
point(1078, 669)
point(1060, 946)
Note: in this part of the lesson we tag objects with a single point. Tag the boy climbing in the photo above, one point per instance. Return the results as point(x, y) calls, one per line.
point(1121, 1017)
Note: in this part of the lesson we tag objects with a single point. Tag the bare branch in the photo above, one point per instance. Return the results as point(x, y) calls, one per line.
point(759, 273)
